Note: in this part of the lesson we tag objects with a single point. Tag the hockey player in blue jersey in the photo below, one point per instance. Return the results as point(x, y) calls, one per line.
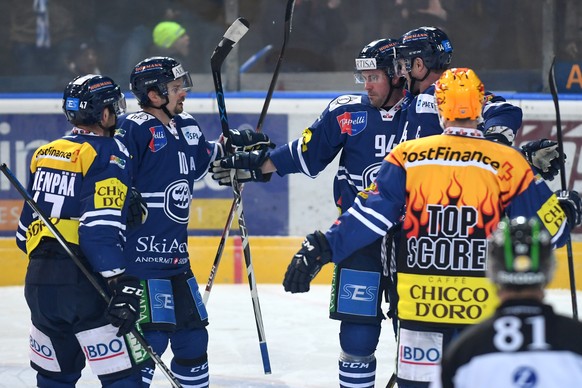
point(362, 127)
point(81, 182)
point(452, 189)
point(422, 56)
point(169, 153)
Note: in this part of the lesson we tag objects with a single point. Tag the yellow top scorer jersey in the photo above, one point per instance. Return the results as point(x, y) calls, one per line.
point(457, 190)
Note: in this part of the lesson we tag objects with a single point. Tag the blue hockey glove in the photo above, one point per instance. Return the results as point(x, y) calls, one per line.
point(247, 164)
point(544, 156)
point(123, 309)
point(248, 140)
point(307, 263)
point(137, 209)
point(572, 205)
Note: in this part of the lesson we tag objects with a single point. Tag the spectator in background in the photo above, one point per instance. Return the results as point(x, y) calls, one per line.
point(171, 40)
point(311, 47)
point(41, 35)
point(422, 12)
point(569, 45)
point(84, 60)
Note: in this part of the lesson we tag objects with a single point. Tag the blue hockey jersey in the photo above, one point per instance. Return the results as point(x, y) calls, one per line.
point(349, 123)
point(81, 182)
point(420, 115)
point(166, 161)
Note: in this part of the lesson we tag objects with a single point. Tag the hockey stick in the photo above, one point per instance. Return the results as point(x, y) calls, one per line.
point(233, 208)
point(288, 19)
point(554, 92)
point(231, 37)
point(234, 33)
point(65, 245)
point(392, 381)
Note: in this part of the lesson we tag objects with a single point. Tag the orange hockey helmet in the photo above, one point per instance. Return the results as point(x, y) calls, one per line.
point(459, 94)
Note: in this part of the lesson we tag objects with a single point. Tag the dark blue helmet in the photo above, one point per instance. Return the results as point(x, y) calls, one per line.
point(154, 74)
point(378, 54)
point(430, 44)
point(520, 254)
point(85, 98)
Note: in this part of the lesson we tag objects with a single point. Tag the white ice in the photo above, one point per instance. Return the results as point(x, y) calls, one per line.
point(302, 341)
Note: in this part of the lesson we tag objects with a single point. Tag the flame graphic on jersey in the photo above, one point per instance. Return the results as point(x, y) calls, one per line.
point(420, 196)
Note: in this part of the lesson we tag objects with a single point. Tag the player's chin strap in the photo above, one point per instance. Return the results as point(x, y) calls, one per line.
point(398, 86)
point(111, 129)
point(414, 80)
point(163, 108)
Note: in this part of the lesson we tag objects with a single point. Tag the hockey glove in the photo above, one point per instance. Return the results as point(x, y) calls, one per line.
point(137, 209)
point(572, 205)
point(247, 164)
point(123, 309)
point(544, 156)
point(500, 134)
point(307, 263)
point(249, 140)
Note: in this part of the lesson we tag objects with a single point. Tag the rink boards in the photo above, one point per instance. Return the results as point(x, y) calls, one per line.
point(282, 211)
point(270, 257)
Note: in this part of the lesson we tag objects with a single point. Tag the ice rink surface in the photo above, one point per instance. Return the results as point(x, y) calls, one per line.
point(302, 342)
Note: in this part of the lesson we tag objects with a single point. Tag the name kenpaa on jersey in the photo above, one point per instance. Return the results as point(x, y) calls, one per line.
point(60, 182)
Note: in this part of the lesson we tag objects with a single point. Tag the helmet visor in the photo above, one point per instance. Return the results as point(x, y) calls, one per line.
point(402, 67)
point(368, 77)
point(120, 105)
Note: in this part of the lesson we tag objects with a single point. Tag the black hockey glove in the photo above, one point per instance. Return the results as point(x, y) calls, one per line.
point(572, 205)
point(247, 164)
point(307, 263)
point(249, 140)
point(137, 209)
point(123, 309)
point(544, 156)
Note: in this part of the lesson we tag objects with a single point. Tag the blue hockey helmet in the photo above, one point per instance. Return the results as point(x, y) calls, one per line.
point(85, 98)
point(377, 54)
point(154, 74)
point(520, 254)
point(430, 44)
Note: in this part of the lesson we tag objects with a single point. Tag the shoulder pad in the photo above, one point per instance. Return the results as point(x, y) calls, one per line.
point(343, 100)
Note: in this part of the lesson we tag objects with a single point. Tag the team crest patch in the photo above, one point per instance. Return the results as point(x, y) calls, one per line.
point(159, 139)
point(352, 123)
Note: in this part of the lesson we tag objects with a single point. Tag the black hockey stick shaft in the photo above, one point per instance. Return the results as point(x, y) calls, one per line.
point(233, 208)
point(287, 33)
point(392, 381)
point(570, 254)
point(219, 251)
point(231, 37)
point(89, 275)
point(234, 33)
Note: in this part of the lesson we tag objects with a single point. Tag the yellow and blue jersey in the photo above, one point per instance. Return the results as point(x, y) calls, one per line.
point(81, 182)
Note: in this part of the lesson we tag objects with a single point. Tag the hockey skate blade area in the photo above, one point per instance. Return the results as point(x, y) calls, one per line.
point(302, 341)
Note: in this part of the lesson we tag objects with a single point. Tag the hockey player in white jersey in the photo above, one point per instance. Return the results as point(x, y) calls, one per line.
point(525, 344)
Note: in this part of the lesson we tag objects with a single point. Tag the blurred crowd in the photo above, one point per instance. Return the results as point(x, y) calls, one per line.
point(50, 41)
